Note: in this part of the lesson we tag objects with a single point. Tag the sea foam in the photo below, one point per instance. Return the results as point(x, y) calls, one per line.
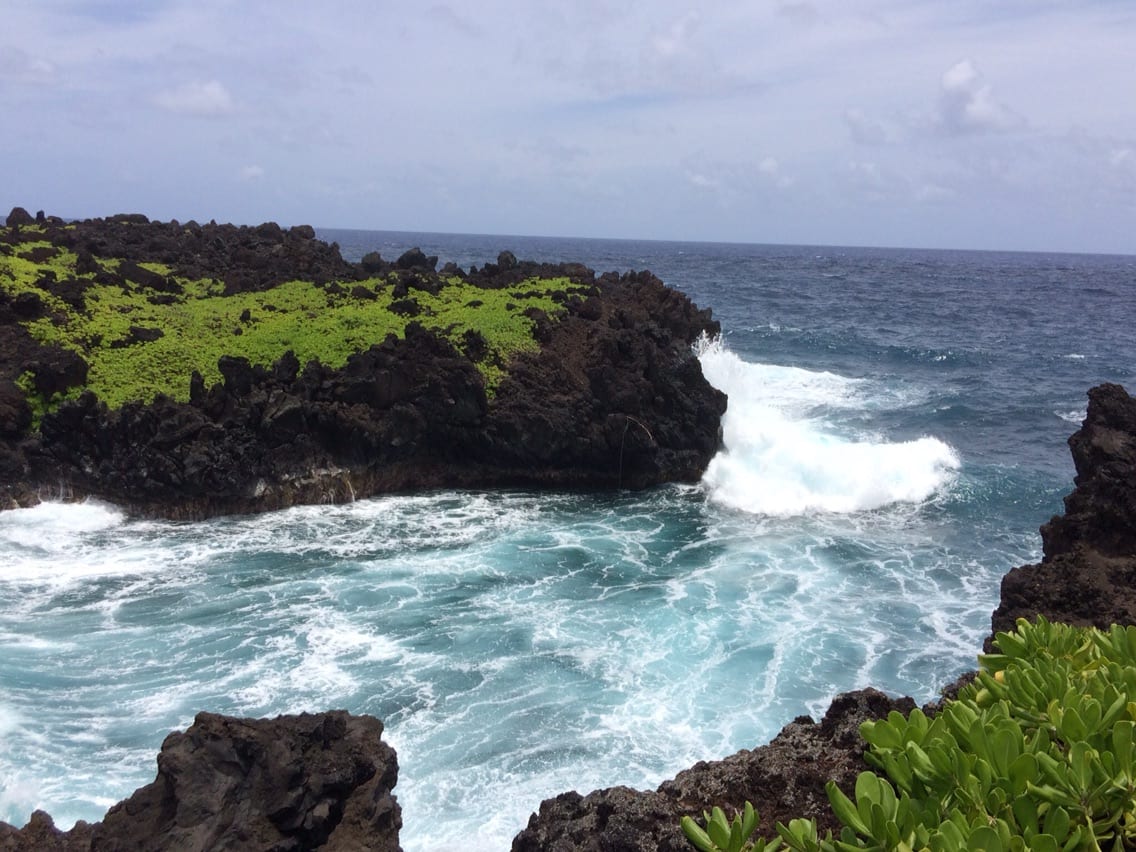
point(781, 458)
point(49, 522)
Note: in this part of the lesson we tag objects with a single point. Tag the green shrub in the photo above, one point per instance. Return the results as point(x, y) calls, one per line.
point(1035, 754)
point(722, 836)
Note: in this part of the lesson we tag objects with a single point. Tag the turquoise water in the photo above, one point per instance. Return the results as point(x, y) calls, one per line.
point(895, 436)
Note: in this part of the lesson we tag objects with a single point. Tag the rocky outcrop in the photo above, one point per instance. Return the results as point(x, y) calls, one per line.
point(1087, 575)
point(611, 395)
point(243, 258)
point(784, 779)
point(615, 398)
point(297, 783)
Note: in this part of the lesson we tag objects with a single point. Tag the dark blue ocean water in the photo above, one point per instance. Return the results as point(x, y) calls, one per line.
point(895, 436)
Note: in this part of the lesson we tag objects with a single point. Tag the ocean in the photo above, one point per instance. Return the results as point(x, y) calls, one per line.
point(895, 436)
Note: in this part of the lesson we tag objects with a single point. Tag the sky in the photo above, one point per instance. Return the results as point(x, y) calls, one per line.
point(973, 124)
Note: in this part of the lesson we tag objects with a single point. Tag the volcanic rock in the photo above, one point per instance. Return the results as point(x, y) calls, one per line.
point(57, 370)
point(304, 782)
point(415, 259)
point(784, 780)
point(611, 394)
point(1087, 575)
point(19, 216)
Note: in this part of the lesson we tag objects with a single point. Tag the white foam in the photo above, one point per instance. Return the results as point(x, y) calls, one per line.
point(781, 458)
point(384, 524)
point(9, 721)
point(1076, 415)
point(40, 525)
point(30, 642)
point(791, 390)
point(55, 544)
point(19, 796)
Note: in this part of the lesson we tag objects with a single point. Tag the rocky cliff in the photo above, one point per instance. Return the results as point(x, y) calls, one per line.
point(324, 781)
point(192, 370)
point(1087, 575)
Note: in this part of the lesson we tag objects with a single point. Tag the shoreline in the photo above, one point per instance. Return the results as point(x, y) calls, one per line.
point(784, 778)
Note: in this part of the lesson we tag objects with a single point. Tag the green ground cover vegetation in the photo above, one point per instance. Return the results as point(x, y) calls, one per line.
point(199, 324)
point(1036, 754)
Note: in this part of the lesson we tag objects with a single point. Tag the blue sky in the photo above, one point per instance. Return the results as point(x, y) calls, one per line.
point(969, 124)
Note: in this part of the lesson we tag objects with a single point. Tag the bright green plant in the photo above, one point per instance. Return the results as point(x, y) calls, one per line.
point(722, 836)
point(1036, 754)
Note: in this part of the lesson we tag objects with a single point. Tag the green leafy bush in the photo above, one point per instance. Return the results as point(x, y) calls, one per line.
point(1035, 754)
point(722, 836)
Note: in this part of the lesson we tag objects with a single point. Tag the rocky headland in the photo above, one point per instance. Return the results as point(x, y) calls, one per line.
point(186, 370)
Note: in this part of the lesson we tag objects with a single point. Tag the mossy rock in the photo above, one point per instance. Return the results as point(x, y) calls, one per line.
point(143, 329)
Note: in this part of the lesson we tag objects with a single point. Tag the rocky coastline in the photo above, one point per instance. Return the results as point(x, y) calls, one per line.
point(325, 781)
point(598, 386)
point(611, 397)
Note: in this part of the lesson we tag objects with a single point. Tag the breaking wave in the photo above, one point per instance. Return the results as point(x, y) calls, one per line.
point(782, 457)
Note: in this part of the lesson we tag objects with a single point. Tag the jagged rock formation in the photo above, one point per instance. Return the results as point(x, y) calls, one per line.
point(1087, 575)
point(784, 779)
point(609, 394)
point(297, 783)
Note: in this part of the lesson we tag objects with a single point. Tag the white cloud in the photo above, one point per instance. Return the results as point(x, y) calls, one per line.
point(197, 98)
point(770, 169)
point(874, 183)
point(967, 103)
point(932, 192)
point(790, 111)
point(702, 181)
point(675, 41)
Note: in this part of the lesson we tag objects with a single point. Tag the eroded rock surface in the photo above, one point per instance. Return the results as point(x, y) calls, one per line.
point(1087, 575)
point(613, 397)
point(313, 781)
point(784, 779)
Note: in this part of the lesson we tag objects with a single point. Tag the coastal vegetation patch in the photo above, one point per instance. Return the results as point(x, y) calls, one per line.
point(1037, 753)
point(144, 330)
